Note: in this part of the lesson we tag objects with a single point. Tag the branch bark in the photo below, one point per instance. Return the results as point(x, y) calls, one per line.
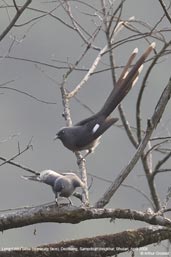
point(72, 214)
point(105, 245)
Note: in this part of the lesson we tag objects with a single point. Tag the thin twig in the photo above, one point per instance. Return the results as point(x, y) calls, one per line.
point(165, 10)
point(127, 127)
point(168, 138)
point(156, 146)
point(16, 155)
point(15, 5)
point(76, 25)
point(7, 161)
point(89, 73)
point(159, 164)
point(13, 21)
point(26, 94)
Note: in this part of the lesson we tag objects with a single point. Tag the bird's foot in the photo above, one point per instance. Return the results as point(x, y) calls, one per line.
point(81, 160)
point(56, 201)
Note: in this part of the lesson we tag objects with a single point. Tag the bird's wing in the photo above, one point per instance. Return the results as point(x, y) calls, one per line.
point(58, 185)
point(74, 178)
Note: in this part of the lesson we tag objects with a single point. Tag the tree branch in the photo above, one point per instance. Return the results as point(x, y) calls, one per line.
point(118, 242)
point(65, 213)
point(18, 165)
point(103, 246)
point(152, 124)
point(141, 92)
point(18, 154)
point(165, 10)
point(16, 17)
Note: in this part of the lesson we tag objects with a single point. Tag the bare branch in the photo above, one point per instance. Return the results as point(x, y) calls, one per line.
point(154, 147)
point(97, 60)
point(89, 73)
point(127, 127)
point(80, 160)
point(159, 164)
point(146, 162)
point(139, 99)
point(15, 4)
point(165, 10)
point(18, 154)
point(16, 17)
point(26, 94)
point(152, 187)
point(116, 243)
point(160, 171)
point(71, 214)
point(152, 124)
point(90, 23)
point(5, 160)
point(83, 171)
point(66, 6)
point(110, 245)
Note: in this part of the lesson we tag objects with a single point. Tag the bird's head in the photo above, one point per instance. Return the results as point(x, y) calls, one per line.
point(61, 134)
point(67, 135)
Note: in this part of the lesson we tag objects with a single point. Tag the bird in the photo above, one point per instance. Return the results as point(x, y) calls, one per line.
point(63, 184)
point(86, 134)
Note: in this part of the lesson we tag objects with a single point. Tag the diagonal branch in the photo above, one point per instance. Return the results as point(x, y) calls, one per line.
point(16, 155)
point(152, 124)
point(89, 73)
point(165, 10)
point(140, 96)
point(18, 165)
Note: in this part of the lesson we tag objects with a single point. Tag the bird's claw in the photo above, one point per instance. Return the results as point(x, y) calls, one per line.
point(81, 160)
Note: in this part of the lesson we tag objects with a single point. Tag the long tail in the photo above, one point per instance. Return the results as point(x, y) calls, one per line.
point(126, 81)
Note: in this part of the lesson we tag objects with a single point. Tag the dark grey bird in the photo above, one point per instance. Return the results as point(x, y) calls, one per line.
point(85, 134)
point(63, 184)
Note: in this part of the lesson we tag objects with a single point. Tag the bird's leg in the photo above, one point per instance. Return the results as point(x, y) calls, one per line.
point(56, 198)
point(83, 158)
point(70, 202)
point(80, 160)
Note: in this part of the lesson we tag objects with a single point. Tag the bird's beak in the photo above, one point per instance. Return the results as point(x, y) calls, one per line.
point(57, 137)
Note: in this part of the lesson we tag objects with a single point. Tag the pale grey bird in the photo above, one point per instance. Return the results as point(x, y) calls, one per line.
point(63, 184)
